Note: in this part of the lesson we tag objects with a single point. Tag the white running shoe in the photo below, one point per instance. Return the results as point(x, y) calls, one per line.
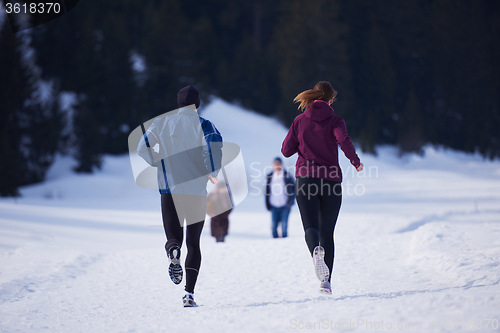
point(320, 267)
point(325, 288)
point(188, 301)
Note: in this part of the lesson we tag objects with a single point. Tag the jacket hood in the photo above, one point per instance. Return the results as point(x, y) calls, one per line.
point(318, 111)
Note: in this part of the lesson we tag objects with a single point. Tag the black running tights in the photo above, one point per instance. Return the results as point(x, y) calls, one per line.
point(175, 232)
point(319, 203)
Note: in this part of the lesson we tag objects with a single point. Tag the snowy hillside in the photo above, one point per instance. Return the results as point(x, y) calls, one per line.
point(417, 248)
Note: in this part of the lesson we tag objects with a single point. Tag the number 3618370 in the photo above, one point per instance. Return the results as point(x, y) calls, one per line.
point(33, 8)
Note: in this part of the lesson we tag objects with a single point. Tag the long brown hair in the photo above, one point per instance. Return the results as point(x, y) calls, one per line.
point(322, 91)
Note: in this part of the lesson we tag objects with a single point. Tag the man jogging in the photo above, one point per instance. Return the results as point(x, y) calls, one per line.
point(189, 153)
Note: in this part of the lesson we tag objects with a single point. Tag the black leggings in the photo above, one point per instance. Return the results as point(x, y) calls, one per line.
point(319, 203)
point(175, 234)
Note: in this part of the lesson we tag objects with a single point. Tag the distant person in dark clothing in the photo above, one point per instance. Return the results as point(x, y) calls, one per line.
point(280, 197)
point(315, 136)
point(219, 201)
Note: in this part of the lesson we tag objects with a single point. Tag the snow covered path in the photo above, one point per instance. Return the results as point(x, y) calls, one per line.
point(80, 279)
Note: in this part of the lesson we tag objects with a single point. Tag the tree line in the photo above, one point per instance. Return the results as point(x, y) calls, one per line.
point(409, 73)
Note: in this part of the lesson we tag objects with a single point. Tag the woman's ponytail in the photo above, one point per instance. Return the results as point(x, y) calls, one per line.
point(322, 91)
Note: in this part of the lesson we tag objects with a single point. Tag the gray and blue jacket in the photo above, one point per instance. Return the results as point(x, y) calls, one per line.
point(185, 148)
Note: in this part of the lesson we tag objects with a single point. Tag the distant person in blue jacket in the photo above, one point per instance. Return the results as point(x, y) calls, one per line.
point(280, 197)
point(189, 154)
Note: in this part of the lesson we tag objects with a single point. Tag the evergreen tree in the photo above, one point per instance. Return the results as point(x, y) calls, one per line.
point(310, 46)
point(13, 93)
point(410, 129)
point(95, 63)
point(31, 123)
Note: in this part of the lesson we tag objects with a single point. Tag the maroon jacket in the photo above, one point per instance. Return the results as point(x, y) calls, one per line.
point(314, 135)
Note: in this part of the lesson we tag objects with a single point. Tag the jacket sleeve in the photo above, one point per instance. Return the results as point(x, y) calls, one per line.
point(268, 191)
point(212, 147)
point(291, 143)
point(344, 141)
point(146, 144)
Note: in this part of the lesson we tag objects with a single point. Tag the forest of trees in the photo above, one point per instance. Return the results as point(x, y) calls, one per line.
point(408, 72)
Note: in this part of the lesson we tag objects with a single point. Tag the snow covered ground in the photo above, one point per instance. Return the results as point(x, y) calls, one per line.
point(417, 248)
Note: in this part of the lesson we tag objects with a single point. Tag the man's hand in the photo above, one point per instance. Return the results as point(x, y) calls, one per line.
point(214, 180)
point(360, 167)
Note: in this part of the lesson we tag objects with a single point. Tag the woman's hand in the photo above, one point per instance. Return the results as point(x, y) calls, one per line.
point(214, 180)
point(360, 167)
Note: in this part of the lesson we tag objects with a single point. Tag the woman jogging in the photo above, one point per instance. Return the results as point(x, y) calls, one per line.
point(314, 135)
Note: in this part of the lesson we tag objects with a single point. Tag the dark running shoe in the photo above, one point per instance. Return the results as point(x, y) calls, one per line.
point(175, 268)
